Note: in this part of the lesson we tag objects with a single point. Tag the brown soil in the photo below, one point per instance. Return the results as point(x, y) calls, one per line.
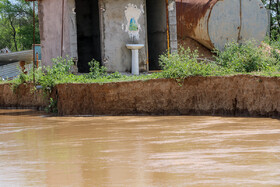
point(25, 96)
point(235, 95)
point(240, 95)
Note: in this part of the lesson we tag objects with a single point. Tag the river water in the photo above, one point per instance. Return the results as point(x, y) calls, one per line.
point(39, 150)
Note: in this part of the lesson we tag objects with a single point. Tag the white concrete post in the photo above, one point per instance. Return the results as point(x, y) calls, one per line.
point(135, 62)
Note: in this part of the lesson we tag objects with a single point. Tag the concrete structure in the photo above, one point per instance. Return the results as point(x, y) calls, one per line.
point(100, 29)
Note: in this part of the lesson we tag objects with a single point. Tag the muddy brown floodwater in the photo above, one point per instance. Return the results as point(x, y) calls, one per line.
point(37, 150)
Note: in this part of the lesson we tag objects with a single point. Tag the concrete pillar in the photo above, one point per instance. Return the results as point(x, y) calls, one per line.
point(72, 29)
point(172, 26)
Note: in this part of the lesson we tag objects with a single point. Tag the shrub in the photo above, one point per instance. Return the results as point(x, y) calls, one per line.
point(245, 58)
point(60, 70)
point(96, 70)
point(274, 45)
point(274, 41)
point(184, 63)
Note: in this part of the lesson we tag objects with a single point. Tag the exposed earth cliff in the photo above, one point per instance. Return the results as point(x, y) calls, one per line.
point(240, 95)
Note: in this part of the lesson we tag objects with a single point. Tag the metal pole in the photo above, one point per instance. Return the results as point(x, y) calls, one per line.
point(180, 19)
point(62, 28)
point(167, 27)
point(34, 63)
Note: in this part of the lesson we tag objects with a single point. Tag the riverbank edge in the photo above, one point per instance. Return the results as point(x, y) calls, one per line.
point(239, 95)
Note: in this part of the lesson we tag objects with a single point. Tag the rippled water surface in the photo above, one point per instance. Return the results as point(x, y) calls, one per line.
point(37, 150)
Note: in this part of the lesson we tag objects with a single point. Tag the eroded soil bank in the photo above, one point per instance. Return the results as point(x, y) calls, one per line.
point(25, 96)
point(241, 95)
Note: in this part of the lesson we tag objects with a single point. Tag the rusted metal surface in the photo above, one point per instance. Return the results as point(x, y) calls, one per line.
point(190, 15)
point(213, 23)
point(34, 41)
point(167, 26)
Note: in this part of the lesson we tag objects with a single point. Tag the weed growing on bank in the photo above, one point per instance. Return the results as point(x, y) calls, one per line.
point(274, 42)
point(247, 58)
point(185, 63)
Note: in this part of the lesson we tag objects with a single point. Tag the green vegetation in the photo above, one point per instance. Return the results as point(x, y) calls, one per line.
point(60, 73)
point(248, 58)
point(235, 59)
point(274, 7)
point(184, 64)
point(16, 23)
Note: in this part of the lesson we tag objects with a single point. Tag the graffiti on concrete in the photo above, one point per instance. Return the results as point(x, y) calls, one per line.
point(133, 26)
point(132, 15)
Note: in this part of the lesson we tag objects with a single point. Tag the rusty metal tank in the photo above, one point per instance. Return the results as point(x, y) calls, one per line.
point(213, 23)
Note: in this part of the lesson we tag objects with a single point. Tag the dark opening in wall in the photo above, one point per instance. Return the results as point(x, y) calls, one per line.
point(88, 33)
point(157, 31)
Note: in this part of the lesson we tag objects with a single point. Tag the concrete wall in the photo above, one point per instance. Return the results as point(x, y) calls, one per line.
point(116, 17)
point(50, 18)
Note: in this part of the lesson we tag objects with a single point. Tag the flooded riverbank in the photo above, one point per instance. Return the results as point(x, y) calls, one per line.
point(37, 150)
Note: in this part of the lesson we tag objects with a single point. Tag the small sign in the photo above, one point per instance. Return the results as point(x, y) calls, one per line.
point(38, 53)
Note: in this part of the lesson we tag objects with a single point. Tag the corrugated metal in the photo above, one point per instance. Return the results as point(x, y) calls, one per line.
point(10, 71)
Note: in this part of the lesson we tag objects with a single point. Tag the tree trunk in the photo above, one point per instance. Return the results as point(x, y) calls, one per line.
point(14, 33)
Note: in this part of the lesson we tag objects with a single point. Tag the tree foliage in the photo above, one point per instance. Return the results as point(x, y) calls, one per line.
point(274, 7)
point(16, 23)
